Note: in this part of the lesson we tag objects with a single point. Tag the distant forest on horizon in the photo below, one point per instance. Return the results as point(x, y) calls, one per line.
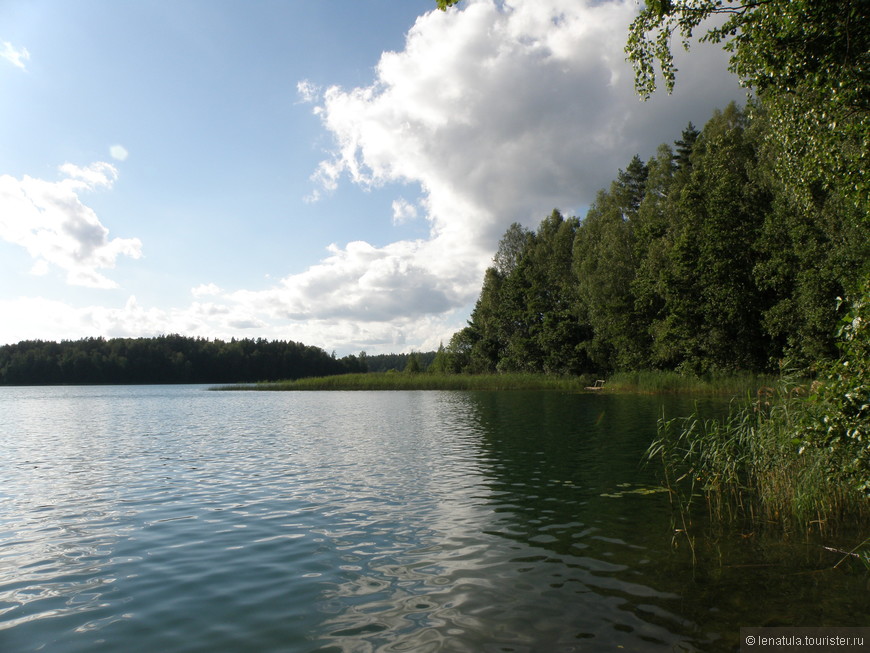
point(165, 359)
point(181, 359)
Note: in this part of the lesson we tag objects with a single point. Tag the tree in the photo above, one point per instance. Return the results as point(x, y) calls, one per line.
point(838, 414)
point(808, 62)
point(721, 209)
point(413, 364)
point(605, 266)
point(684, 146)
point(166, 359)
point(808, 256)
point(460, 349)
point(443, 362)
point(511, 249)
point(489, 328)
point(540, 299)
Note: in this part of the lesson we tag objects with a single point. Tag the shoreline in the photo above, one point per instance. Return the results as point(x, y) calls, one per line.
point(636, 383)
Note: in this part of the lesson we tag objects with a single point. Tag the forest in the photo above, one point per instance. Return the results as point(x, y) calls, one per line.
point(165, 359)
point(699, 260)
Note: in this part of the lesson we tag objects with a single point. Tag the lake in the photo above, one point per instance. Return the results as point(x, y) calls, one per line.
point(173, 519)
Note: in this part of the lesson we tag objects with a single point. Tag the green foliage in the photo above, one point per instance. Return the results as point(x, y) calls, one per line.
point(838, 412)
point(807, 60)
point(525, 319)
point(605, 264)
point(790, 456)
point(413, 364)
point(396, 362)
point(747, 466)
point(394, 381)
point(668, 382)
point(167, 359)
point(710, 300)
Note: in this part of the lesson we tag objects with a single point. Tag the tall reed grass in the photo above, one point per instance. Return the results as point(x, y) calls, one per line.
point(794, 456)
point(669, 382)
point(751, 465)
point(426, 381)
point(651, 382)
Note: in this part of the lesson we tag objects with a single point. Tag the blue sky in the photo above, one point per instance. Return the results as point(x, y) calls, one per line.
point(336, 172)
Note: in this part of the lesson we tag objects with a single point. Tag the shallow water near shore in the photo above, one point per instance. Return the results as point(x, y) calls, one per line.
point(170, 518)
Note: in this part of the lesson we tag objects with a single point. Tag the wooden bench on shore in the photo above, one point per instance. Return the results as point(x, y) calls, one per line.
point(599, 385)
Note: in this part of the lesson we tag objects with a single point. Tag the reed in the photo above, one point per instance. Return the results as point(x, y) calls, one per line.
point(751, 466)
point(425, 381)
point(669, 382)
point(650, 382)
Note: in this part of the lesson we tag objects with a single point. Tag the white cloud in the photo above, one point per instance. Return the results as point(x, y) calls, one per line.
point(510, 110)
point(361, 283)
point(308, 92)
point(50, 221)
point(118, 152)
point(205, 290)
point(498, 111)
point(403, 211)
point(16, 56)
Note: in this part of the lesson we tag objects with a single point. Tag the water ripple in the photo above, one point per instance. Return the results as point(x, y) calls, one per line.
point(174, 519)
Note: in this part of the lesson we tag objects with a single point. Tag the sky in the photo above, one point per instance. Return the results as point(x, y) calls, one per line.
point(332, 172)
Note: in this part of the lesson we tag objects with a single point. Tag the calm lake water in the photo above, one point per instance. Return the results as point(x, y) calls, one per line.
point(167, 518)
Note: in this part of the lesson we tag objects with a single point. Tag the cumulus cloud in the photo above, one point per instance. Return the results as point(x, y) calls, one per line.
point(205, 289)
point(403, 211)
point(16, 56)
point(57, 229)
point(510, 109)
point(498, 112)
point(360, 283)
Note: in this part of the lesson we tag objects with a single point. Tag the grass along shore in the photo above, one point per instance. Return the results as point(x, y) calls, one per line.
point(634, 382)
point(663, 382)
point(424, 381)
point(797, 456)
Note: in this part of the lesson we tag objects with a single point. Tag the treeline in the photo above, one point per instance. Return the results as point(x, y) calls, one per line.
point(398, 362)
point(699, 260)
point(166, 359)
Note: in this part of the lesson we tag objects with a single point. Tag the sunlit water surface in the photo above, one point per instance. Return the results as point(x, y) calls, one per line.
point(175, 519)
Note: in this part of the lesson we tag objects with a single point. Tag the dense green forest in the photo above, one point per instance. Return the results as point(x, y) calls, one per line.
point(699, 260)
point(167, 359)
point(414, 361)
